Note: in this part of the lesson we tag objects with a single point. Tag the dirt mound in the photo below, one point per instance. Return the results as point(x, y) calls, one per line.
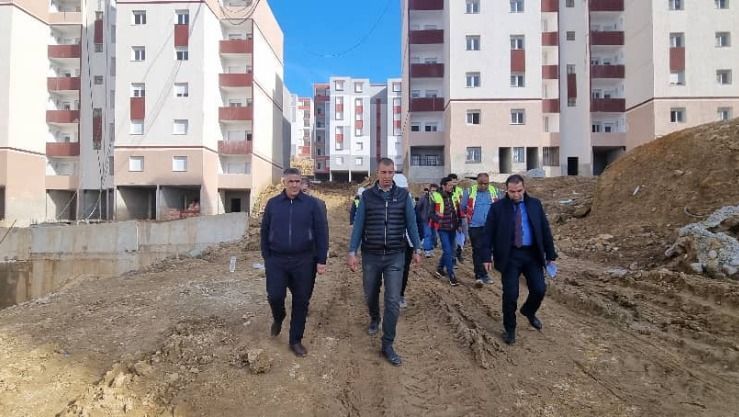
point(672, 180)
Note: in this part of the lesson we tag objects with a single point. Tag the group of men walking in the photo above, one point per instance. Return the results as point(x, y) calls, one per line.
point(508, 230)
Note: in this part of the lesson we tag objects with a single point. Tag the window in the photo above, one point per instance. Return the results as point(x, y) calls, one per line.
point(570, 3)
point(517, 42)
point(339, 115)
point(551, 156)
point(570, 68)
point(677, 78)
point(723, 39)
point(516, 6)
point(675, 4)
point(139, 17)
point(517, 80)
point(473, 42)
point(722, 4)
point(98, 47)
point(415, 127)
point(138, 90)
point(357, 132)
point(473, 79)
point(183, 17)
point(571, 102)
point(396, 87)
point(138, 53)
point(677, 115)
point(724, 113)
point(473, 117)
point(415, 93)
point(358, 102)
point(432, 93)
point(339, 160)
point(179, 163)
point(677, 40)
point(339, 85)
point(358, 87)
point(358, 160)
point(112, 66)
point(474, 155)
point(135, 163)
point(431, 127)
point(137, 127)
point(181, 90)
point(359, 146)
point(112, 33)
point(596, 128)
point(723, 76)
point(519, 155)
point(570, 35)
point(473, 7)
point(179, 127)
point(518, 116)
point(181, 53)
point(98, 79)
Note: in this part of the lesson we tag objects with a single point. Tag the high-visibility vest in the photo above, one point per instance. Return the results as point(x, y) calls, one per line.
point(457, 194)
point(438, 201)
point(356, 202)
point(471, 199)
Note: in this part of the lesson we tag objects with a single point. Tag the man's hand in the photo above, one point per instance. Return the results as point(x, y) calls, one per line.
point(416, 258)
point(488, 266)
point(353, 262)
point(321, 268)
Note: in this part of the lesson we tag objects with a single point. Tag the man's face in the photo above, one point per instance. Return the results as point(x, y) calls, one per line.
point(454, 182)
point(515, 191)
point(448, 187)
point(482, 183)
point(433, 189)
point(385, 175)
point(292, 185)
point(304, 187)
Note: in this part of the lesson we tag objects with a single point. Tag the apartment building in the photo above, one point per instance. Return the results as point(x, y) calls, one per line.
point(199, 106)
point(561, 85)
point(56, 89)
point(363, 125)
point(321, 119)
point(301, 144)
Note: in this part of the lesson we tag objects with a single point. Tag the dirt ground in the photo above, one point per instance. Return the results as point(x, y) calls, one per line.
point(173, 340)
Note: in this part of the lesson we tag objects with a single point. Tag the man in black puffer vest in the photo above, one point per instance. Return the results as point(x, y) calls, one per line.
point(384, 214)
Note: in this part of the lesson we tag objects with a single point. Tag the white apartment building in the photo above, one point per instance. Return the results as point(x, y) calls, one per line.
point(199, 124)
point(561, 85)
point(321, 120)
point(56, 107)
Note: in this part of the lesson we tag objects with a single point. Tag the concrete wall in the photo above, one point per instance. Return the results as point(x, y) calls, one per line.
point(37, 261)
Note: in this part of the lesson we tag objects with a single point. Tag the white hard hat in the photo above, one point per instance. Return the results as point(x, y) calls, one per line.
point(400, 180)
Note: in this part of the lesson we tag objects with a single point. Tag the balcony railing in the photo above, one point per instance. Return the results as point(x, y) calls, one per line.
point(427, 70)
point(518, 60)
point(427, 104)
point(64, 51)
point(63, 83)
point(606, 5)
point(62, 148)
point(550, 105)
point(550, 38)
point(607, 38)
point(181, 35)
point(237, 46)
point(550, 72)
point(62, 116)
point(677, 59)
point(607, 71)
point(236, 80)
point(549, 5)
point(426, 4)
point(610, 105)
point(425, 37)
point(234, 147)
point(138, 108)
point(235, 113)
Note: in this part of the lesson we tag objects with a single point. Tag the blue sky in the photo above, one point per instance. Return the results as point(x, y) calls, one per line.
point(335, 37)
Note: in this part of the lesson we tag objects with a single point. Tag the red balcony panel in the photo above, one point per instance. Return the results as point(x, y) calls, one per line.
point(63, 83)
point(138, 108)
point(428, 36)
point(64, 51)
point(607, 71)
point(339, 108)
point(550, 105)
point(62, 116)
point(97, 129)
point(396, 124)
point(610, 105)
point(677, 59)
point(427, 104)
point(340, 137)
point(236, 80)
point(181, 35)
point(320, 99)
point(358, 124)
point(426, 4)
point(396, 109)
point(550, 38)
point(235, 113)
point(427, 70)
point(550, 72)
point(518, 60)
point(549, 5)
point(606, 5)
point(235, 147)
point(98, 31)
point(62, 149)
point(571, 85)
point(237, 46)
point(607, 38)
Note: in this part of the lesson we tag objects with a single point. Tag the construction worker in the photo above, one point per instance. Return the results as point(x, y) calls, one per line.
point(445, 219)
point(476, 202)
point(459, 236)
point(355, 204)
point(424, 209)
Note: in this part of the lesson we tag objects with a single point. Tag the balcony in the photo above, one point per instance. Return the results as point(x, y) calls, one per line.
point(62, 149)
point(608, 105)
point(427, 104)
point(65, 18)
point(677, 59)
point(138, 108)
point(608, 139)
point(237, 46)
point(426, 4)
point(518, 60)
point(550, 72)
point(550, 105)
point(427, 70)
point(236, 80)
point(607, 38)
point(234, 147)
point(181, 35)
point(62, 116)
point(607, 71)
point(550, 38)
point(64, 51)
point(549, 6)
point(235, 114)
point(63, 83)
point(606, 5)
point(426, 37)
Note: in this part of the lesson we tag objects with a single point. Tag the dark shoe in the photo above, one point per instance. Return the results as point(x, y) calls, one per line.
point(479, 283)
point(389, 353)
point(299, 350)
point(373, 327)
point(509, 337)
point(453, 281)
point(534, 321)
point(276, 328)
point(459, 254)
point(486, 279)
point(440, 272)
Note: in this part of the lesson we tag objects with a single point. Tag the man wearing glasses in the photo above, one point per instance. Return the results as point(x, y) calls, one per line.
point(476, 202)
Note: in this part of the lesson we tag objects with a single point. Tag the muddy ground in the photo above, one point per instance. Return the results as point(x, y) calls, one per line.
point(173, 340)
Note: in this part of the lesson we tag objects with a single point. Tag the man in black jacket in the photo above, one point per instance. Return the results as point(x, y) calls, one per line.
point(293, 234)
point(517, 236)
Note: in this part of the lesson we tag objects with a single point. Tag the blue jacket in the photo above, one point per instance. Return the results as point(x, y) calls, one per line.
point(294, 227)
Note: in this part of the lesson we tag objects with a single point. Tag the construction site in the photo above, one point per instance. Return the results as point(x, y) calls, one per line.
point(146, 319)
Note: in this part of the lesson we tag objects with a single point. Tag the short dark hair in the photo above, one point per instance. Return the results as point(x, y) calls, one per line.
point(290, 171)
point(514, 179)
point(452, 176)
point(444, 181)
point(433, 186)
point(483, 174)
point(385, 162)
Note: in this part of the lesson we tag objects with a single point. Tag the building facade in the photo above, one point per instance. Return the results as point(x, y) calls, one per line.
point(301, 142)
point(564, 86)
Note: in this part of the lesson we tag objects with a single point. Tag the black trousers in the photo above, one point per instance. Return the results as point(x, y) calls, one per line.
point(522, 260)
point(476, 237)
point(406, 268)
point(296, 274)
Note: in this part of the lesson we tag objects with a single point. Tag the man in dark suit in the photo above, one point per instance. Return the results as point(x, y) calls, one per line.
point(518, 238)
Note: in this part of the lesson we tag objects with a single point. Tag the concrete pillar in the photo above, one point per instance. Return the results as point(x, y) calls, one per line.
point(156, 203)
